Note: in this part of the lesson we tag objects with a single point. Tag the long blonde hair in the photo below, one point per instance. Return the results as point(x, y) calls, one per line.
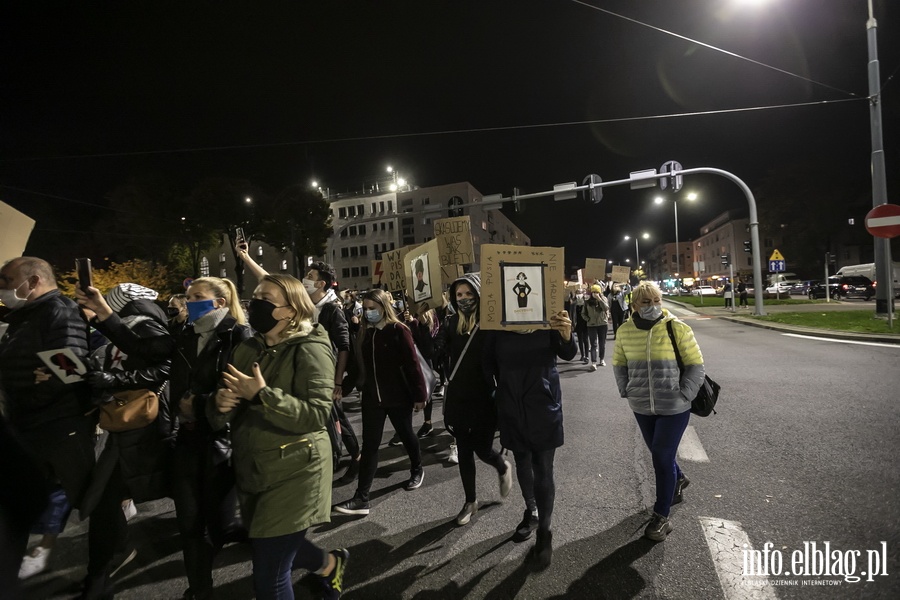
point(224, 288)
point(297, 298)
point(382, 299)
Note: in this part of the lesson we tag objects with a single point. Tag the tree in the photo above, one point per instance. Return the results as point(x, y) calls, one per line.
point(297, 219)
point(146, 273)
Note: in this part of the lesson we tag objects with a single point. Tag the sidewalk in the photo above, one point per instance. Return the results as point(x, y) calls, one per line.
point(745, 317)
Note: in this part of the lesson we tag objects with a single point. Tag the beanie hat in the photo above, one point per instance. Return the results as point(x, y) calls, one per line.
point(124, 293)
point(596, 289)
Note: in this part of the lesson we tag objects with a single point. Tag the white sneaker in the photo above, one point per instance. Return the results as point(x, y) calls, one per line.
point(592, 368)
point(129, 509)
point(602, 363)
point(453, 458)
point(465, 515)
point(34, 562)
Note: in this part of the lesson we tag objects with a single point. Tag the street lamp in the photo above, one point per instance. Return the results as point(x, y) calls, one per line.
point(637, 252)
point(659, 200)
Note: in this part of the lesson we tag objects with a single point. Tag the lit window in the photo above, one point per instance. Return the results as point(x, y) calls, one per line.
point(204, 267)
point(223, 273)
point(259, 251)
point(222, 257)
point(284, 264)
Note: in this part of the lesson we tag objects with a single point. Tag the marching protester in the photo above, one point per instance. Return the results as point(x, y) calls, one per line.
point(393, 386)
point(48, 417)
point(203, 477)
point(648, 376)
point(134, 462)
point(470, 412)
point(277, 398)
point(423, 327)
point(579, 324)
point(529, 403)
point(618, 306)
point(595, 314)
point(177, 313)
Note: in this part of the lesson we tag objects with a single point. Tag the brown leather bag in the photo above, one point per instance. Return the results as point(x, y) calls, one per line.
point(129, 409)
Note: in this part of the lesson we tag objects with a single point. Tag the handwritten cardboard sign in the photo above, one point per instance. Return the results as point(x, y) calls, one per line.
point(450, 273)
point(621, 274)
point(394, 275)
point(521, 286)
point(423, 275)
point(454, 236)
point(15, 229)
point(595, 270)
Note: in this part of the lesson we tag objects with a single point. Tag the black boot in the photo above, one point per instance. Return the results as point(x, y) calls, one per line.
point(542, 553)
point(351, 473)
point(97, 587)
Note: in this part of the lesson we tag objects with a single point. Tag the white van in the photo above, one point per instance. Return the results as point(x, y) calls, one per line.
point(868, 270)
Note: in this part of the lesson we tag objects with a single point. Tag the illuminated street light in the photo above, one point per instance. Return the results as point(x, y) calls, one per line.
point(315, 184)
point(248, 199)
point(637, 252)
point(659, 200)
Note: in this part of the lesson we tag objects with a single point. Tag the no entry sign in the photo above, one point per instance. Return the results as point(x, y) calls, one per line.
point(884, 221)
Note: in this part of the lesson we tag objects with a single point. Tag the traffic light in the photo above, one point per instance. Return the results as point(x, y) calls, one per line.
point(725, 260)
point(829, 258)
point(747, 246)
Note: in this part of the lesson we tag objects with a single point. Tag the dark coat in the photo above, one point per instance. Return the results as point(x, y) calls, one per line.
point(138, 356)
point(529, 397)
point(468, 402)
point(393, 377)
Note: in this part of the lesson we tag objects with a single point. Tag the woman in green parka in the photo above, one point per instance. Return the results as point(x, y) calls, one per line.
point(277, 398)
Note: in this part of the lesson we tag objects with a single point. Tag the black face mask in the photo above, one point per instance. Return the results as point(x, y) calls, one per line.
point(467, 305)
point(172, 311)
point(260, 315)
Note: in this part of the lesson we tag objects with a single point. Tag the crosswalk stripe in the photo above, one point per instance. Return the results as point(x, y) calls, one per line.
point(727, 543)
point(690, 449)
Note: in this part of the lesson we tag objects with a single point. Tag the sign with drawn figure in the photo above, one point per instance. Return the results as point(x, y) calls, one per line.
point(621, 274)
point(521, 286)
point(454, 236)
point(377, 273)
point(394, 267)
point(423, 275)
point(15, 229)
point(594, 270)
point(450, 273)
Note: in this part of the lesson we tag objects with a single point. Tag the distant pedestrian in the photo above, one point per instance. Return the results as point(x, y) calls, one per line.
point(728, 294)
point(648, 376)
point(529, 405)
point(595, 314)
point(617, 308)
point(742, 290)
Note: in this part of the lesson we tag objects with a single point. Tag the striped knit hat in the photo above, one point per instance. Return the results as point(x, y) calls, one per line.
point(124, 293)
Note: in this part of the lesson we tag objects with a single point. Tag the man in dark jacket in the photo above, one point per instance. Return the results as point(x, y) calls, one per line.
point(47, 415)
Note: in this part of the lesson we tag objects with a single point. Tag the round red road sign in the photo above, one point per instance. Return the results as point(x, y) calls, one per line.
point(884, 221)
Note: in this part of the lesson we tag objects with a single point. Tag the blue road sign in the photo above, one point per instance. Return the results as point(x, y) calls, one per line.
point(776, 266)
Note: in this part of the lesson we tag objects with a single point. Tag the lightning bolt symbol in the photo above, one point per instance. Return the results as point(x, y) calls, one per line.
point(378, 270)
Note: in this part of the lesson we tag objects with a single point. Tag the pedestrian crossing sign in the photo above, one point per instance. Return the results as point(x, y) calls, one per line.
point(776, 255)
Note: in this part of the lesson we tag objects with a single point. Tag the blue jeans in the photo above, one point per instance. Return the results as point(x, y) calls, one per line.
point(597, 338)
point(272, 561)
point(662, 434)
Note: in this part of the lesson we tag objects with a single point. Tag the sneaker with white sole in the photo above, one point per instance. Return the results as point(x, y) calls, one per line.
point(121, 560)
point(34, 562)
point(592, 368)
point(602, 363)
point(658, 529)
point(468, 511)
point(353, 506)
point(506, 480)
point(333, 584)
point(453, 457)
point(395, 441)
point(415, 480)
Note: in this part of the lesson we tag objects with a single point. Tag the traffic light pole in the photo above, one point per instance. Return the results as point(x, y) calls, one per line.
point(648, 179)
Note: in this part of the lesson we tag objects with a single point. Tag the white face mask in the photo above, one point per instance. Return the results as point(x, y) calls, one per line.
point(11, 299)
point(650, 313)
point(310, 286)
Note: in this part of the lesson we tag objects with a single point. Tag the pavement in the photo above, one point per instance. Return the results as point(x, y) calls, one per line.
point(715, 309)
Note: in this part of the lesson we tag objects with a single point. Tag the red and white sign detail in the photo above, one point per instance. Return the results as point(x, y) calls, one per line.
point(884, 221)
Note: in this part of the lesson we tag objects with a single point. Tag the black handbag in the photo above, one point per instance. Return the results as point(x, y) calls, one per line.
point(704, 404)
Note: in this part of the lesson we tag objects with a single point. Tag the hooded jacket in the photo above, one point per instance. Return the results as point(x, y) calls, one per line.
point(469, 401)
point(647, 372)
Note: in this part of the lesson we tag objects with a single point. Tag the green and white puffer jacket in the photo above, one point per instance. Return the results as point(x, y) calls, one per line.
point(646, 370)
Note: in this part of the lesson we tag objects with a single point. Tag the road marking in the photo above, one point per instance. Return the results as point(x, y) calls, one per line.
point(690, 449)
point(824, 339)
point(727, 542)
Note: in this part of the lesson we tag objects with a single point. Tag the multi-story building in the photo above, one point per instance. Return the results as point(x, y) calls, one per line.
point(724, 235)
point(664, 262)
point(367, 225)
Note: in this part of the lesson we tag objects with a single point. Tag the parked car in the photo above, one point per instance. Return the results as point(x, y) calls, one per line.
point(854, 286)
point(703, 290)
point(801, 288)
point(782, 287)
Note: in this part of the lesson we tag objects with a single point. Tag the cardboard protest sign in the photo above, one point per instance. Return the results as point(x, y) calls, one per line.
point(423, 275)
point(450, 273)
point(621, 274)
point(521, 286)
point(15, 229)
point(394, 269)
point(594, 269)
point(579, 281)
point(377, 273)
point(64, 364)
point(454, 236)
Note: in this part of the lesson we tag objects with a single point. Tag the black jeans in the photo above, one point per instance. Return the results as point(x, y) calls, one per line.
point(107, 530)
point(472, 442)
point(535, 473)
point(348, 436)
point(373, 430)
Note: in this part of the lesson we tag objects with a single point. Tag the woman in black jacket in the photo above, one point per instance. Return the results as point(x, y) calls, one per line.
point(202, 476)
point(470, 413)
point(133, 464)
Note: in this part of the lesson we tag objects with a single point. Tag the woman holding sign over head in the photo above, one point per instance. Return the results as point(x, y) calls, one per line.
point(648, 376)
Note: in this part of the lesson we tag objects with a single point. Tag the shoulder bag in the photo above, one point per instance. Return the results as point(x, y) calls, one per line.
point(130, 409)
point(704, 403)
point(427, 371)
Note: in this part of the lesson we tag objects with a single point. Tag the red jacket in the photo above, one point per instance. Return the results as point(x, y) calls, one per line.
point(393, 376)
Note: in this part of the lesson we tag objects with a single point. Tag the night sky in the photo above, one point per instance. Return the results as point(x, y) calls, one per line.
point(500, 94)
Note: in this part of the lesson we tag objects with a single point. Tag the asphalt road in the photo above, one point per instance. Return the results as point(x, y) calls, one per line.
point(804, 449)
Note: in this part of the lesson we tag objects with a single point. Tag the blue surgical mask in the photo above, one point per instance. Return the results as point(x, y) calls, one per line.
point(651, 313)
point(373, 316)
point(199, 308)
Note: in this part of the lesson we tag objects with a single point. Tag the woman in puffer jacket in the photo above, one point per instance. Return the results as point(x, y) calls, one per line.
point(647, 374)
